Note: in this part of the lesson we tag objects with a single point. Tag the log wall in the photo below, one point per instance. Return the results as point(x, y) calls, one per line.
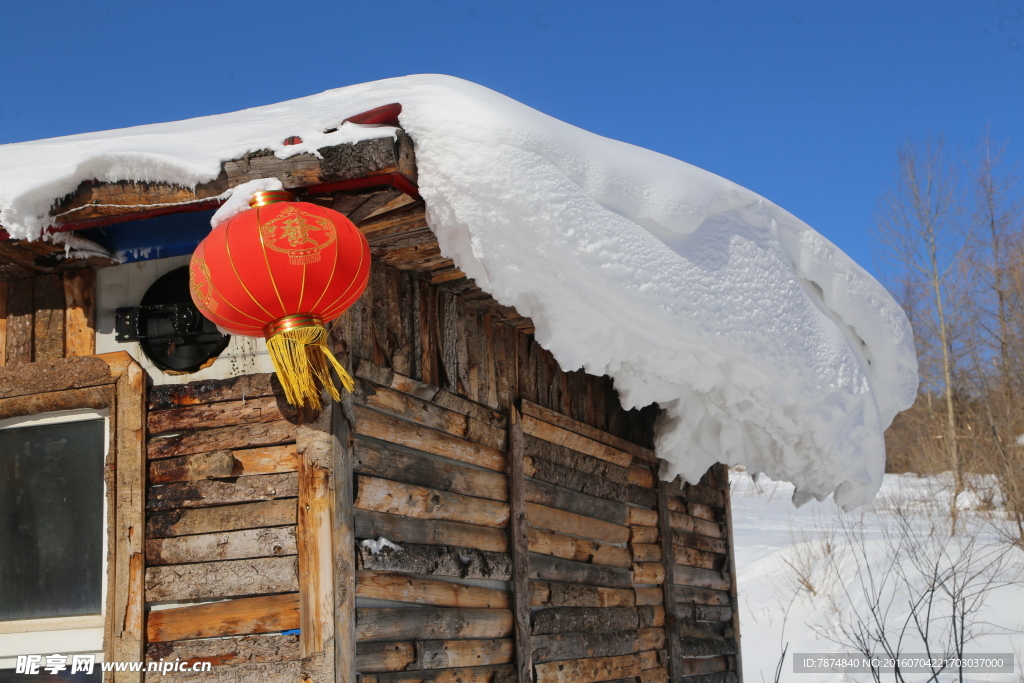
point(534, 538)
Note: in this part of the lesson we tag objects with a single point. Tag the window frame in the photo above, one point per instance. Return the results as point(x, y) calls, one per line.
point(114, 383)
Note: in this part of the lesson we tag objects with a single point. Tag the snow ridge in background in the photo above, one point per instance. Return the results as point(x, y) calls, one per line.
point(764, 344)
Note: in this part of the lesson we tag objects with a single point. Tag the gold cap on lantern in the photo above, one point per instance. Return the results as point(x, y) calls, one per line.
point(265, 197)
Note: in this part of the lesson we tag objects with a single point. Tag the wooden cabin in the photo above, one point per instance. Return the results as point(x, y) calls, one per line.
point(529, 534)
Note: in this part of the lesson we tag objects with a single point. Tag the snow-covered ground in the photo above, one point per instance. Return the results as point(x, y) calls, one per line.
point(803, 572)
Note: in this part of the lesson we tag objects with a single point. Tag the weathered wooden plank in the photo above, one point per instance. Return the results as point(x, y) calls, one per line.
point(591, 670)
point(476, 674)
point(723, 477)
point(699, 542)
point(265, 614)
point(505, 365)
point(646, 552)
point(220, 438)
point(223, 464)
point(566, 457)
point(649, 595)
point(592, 484)
point(541, 413)
point(33, 404)
point(380, 156)
point(704, 647)
point(694, 509)
point(438, 560)
point(431, 623)
point(703, 596)
point(648, 572)
point(80, 312)
point(48, 317)
point(61, 375)
point(644, 534)
point(227, 545)
point(460, 419)
point(584, 620)
point(547, 568)
point(384, 495)
point(220, 414)
point(429, 531)
point(228, 651)
point(343, 540)
point(697, 494)
point(166, 396)
point(212, 465)
point(699, 558)
point(405, 588)
point(642, 517)
point(695, 612)
point(386, 428)
point(20, 309)
point(651, 616)
point(651, 639)
point(433, 654)
point(667, 583)
point(3, 323)
point(315, 448)
point(658, 675)
point(558, 646)
point(678, 520)
point(205, 493)
point(564, 437)
point(546, 542)
point(379, 460)
point(223, 579)
point(224, 518)
point(545, 594)
point(551, 495)
point(577, 525)
point(519, 545)
point(126, 629)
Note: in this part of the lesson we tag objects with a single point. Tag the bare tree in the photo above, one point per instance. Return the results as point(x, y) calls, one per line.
point(916, 226)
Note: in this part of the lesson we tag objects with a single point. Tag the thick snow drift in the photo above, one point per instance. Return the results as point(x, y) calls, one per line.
point(764, 344)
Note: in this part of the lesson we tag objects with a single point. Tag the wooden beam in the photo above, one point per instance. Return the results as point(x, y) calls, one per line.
point(80, 312)
point(265, 614)
point(412, 589)
point(222, 579)
point(519, 546)
point(129, 553)
point(582, 444)
point(19, 322)
point(731, 546)
point(555, 418)
point(438, 560)
point(3, 323)
point(668, 585)
point(344, 543)
point(225, 545)
point(314, 444)
point(429, 623)
point(102, 202)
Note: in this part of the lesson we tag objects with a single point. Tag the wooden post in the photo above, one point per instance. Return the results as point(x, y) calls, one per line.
point(19, 321)
point(343, 533)
point(3, 324)
point(675, 650)
point(80, 312)
point(129, 554)
point(727, 490)
point(315, 447)
point(48, 295)
point(519, 544)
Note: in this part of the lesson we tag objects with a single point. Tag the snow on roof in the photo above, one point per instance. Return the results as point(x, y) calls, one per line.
point(765, 345)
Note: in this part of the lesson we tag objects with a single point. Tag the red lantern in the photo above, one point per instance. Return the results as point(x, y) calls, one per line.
point(283, 269)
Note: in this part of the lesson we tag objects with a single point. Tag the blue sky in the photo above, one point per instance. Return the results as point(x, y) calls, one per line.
point(803, 102)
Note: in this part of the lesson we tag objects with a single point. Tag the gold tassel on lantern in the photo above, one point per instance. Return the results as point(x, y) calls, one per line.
point(298, 350)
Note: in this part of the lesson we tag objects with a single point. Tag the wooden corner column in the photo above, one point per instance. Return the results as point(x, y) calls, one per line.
point(519, 545)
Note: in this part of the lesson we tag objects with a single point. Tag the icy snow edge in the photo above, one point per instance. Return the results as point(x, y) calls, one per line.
point(764, 344)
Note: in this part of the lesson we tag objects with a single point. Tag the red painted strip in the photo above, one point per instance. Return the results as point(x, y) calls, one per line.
point(387, 114)
point(395, 180)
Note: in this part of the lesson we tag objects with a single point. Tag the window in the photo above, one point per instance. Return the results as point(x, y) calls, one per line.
point(72, 475)
point(53, 533)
